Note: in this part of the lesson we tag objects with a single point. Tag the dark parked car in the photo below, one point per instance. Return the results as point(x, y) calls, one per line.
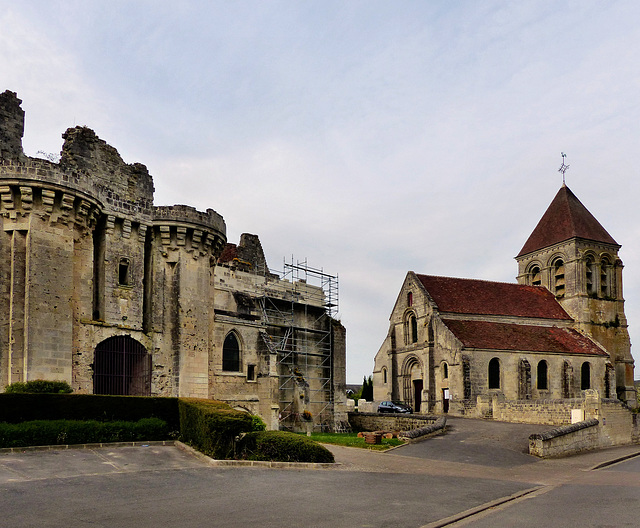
point(394, 407)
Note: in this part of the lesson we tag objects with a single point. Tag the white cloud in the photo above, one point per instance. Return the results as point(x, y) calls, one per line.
point(370, 137)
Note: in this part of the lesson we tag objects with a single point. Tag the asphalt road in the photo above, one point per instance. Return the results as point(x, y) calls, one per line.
point(414, 486)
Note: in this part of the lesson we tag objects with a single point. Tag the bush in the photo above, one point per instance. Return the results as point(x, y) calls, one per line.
point(211, 426)
point(63, 432)
point(39, 387)
point(22, 407)
point(257, 423)
point(282, 446)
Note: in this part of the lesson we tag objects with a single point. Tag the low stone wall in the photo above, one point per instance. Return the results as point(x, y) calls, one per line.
point(436, 427)
point(566, 440)
point(619, 424)
point(361, 421)
point(550, 412)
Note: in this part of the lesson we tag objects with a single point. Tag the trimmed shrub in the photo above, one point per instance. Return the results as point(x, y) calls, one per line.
point(257, 423)
point(39, 387)
point(211, 426)
point(282, 446)
point(22, 407)
point(63, 432)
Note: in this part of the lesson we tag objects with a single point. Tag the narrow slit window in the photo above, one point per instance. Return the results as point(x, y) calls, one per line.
point(123, 272)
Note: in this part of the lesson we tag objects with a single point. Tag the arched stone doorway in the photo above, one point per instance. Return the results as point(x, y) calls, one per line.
point(412, 382)
point(121, 366)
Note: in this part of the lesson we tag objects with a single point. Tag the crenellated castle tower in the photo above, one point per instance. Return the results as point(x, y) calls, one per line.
point(89, 265)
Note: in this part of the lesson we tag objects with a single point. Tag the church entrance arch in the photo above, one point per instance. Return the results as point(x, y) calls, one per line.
point(121, 366)
point(412, 382)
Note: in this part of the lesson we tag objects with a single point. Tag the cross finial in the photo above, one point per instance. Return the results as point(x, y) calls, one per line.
point(563, 168)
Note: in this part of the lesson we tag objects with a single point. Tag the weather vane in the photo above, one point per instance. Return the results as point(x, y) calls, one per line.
point(563, 168)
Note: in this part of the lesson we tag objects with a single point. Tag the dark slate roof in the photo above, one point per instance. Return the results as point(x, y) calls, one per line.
point(565, 218)
point(472, 296)
point(501, 336)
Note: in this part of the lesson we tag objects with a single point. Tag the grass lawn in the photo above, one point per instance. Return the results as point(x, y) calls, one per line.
point(352, 440)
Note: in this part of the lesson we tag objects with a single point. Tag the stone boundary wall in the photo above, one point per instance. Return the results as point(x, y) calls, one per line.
point(549, 412)
point(389, 422)
point(428, 430)
point(566, 440)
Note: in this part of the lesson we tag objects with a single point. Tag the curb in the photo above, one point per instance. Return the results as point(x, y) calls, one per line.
point(614, 461)
point(483, 507)
point(254, 463)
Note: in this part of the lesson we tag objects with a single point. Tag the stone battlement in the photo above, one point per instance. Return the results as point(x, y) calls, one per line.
point(185, 214)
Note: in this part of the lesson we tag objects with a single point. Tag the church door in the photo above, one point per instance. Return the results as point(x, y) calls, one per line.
point(417, 394)
point(445, 400)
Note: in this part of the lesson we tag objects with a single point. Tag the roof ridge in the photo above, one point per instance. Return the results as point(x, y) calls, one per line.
point(489, 281)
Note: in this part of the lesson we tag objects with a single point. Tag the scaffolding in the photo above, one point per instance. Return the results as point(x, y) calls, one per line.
point(297, 311)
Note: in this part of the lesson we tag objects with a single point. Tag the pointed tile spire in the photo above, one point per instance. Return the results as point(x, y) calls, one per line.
point(565, 218)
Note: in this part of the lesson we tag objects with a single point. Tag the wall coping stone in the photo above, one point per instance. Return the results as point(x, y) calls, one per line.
point(564, 430)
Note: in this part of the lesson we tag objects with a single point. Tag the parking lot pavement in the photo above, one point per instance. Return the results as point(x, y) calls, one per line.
point(160, 487)
point(479, 442)
point(67, 463)
point(166, 486)
point(605, 497)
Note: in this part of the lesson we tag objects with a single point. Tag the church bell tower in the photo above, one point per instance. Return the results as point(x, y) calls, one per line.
point(574, 257)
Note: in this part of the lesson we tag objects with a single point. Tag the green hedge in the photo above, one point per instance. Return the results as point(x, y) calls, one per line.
point(282, 446)
point(63, 432)
point(39, 387)
point(211, 426)
point(16, 408)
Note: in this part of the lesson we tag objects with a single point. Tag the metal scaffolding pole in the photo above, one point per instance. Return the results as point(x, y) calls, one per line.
point(298, 308)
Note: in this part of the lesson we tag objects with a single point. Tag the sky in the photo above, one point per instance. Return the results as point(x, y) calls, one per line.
point(366, 138)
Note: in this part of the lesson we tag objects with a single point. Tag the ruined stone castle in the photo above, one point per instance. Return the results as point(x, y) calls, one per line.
point(466, 346)
point(115, 295)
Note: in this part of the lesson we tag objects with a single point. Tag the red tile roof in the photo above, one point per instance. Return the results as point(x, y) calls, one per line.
point(472, 296)
point(565, 218)
point(500, 336)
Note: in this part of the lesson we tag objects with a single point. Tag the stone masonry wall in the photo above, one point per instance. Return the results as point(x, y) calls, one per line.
point(389, 422)
point(551, 412)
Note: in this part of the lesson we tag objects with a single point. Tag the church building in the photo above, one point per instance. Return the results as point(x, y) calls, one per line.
point(454, 344)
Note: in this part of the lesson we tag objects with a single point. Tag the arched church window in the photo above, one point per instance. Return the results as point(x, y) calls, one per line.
point(494, 373)
point(384, 375)
point(585, 376)
point(590, 270)
point(445, 370)
point(414, 328)
point(558, 277)
point(410, 299)
point(543, 382)
point(567, 379)
point(605, 277)
point(231, 353)
point(536, 276)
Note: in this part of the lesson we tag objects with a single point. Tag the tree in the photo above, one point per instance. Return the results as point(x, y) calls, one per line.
point(367, 389)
